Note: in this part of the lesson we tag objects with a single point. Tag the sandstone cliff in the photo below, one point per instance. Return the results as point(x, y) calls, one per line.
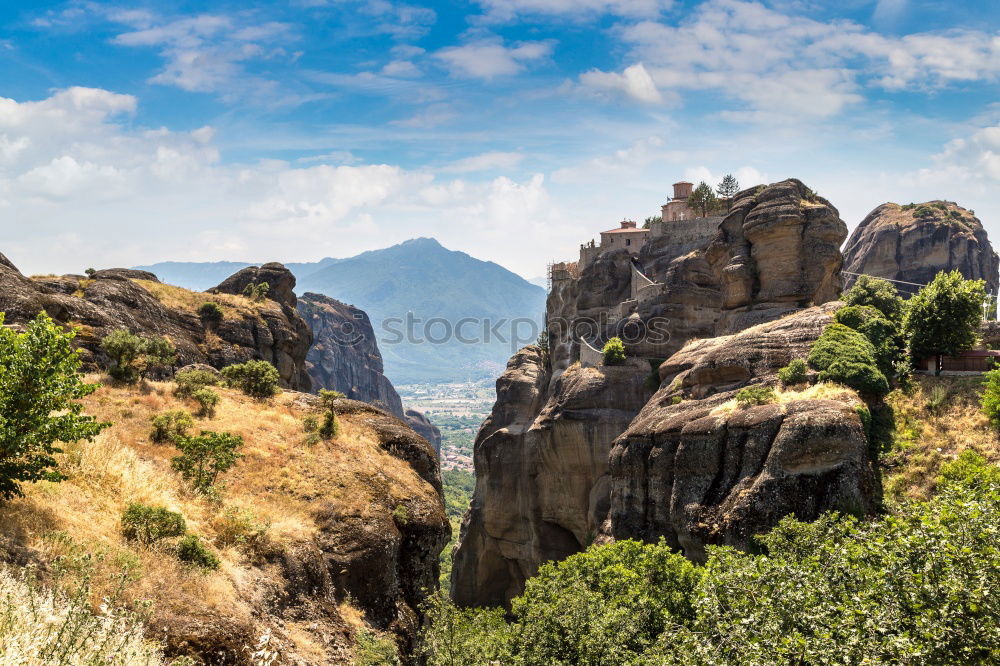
point(913, 243)
point(423, 427)
point(696, 469)
point(543, 484)
point(345, 356)
point(120, 298)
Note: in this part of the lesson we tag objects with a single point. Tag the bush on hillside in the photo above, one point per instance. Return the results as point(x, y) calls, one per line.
point(257, 291)
point(990, 400)
point(206, 456)
point(134, 357)
point(794, 373)
point(210, 314)
point(328, 397)
point(191, 550)
point(258, 379)
point(207, 400)
point(756, 395)
point(330, 427)
point(370, 649)
point(40, 389)
point(943, 317)
point(614, 351)
point(148, 524)
point(885, 335)
point(170, 425)
point(919, 587)
point(879, 294)
point(190, 380)
point(846, 356)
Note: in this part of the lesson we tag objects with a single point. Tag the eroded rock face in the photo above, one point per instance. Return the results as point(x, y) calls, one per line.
point(916, 242)
point(345, 356)
point(778, 250)
point(122, 298)
point(541, 472)
point(423, 427)
point(703, 471)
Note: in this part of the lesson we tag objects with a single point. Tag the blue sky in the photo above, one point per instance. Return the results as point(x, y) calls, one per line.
point(133, 132)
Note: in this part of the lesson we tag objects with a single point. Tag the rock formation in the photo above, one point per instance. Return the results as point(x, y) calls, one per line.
point(695, 469)
point(913, 243)
point(543, 486)
point(121, 298)
point(423, 427)
point(345, 356)
point(541, 462)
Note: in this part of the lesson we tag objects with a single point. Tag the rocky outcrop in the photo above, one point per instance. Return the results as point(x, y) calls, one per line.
point(345, 356)
point(778, 250)
point(121, 298)
point(913, 243)
point(543, 485)
point(423, 427)
point(541, 461)
point(697, 470)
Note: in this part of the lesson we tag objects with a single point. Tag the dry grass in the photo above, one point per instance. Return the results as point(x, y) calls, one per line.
point(928, 435)
point(178, 298)
point(76, 524)
point(784, 396)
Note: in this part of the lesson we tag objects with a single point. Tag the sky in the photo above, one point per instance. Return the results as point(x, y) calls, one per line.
point(135, 132)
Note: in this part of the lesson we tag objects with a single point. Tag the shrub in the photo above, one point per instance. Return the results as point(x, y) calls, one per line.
point(879, 294)
point(944, 316)
point(207, 400)
point(170, 426)
point(256, 291)
point(40, 389)
point(258, 379)
point(937, 398)
point(885, 336)
point(756, 395)
point(846, 356)
point(190, 549)
point(206, 456)
point(190, 380)
point(969, 470)
point(918, 587)
point(239, 527)
point(330, 427)
point(614, 351)
point(134, 357)
point(370, 649)
point(327, 398)
point(400, 515)
point(990, 401)
point(793, 373)
point(210, 314)
point(310, 423)
point(149, 524)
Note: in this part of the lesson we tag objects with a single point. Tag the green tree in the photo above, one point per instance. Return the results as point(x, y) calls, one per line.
point(135, 357)
point(206, 456)
point(258, 379)
point(40, 385)
point(845, 356)
point(879, 294)
point(614, 351)
point(148, 524)
point(727, 189)
point(256, 291)
point(703, 199)
point(650, 221)
point(990, 400)
point(943, 317)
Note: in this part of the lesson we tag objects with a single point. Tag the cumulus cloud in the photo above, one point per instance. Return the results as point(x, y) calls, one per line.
point(489, 58)
point(131, 196)
point(635, 82)
point(778, 64)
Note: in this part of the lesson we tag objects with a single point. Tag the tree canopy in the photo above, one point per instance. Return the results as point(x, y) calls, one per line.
point(40, 384)
point(944, 317)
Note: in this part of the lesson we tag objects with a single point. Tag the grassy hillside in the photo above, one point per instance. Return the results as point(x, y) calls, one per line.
point(283, 501)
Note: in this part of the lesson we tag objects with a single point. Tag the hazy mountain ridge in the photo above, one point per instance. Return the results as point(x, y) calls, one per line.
point(421, 277)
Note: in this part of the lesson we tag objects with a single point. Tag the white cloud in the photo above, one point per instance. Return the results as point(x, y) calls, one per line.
point(506, 10)
point(206, 53)
point(780, 65)
point(485, 162)
point(635, 82)
point(134, 196)
point(489, 58)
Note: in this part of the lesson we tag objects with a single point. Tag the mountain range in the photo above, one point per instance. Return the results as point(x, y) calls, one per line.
point(422, 282)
